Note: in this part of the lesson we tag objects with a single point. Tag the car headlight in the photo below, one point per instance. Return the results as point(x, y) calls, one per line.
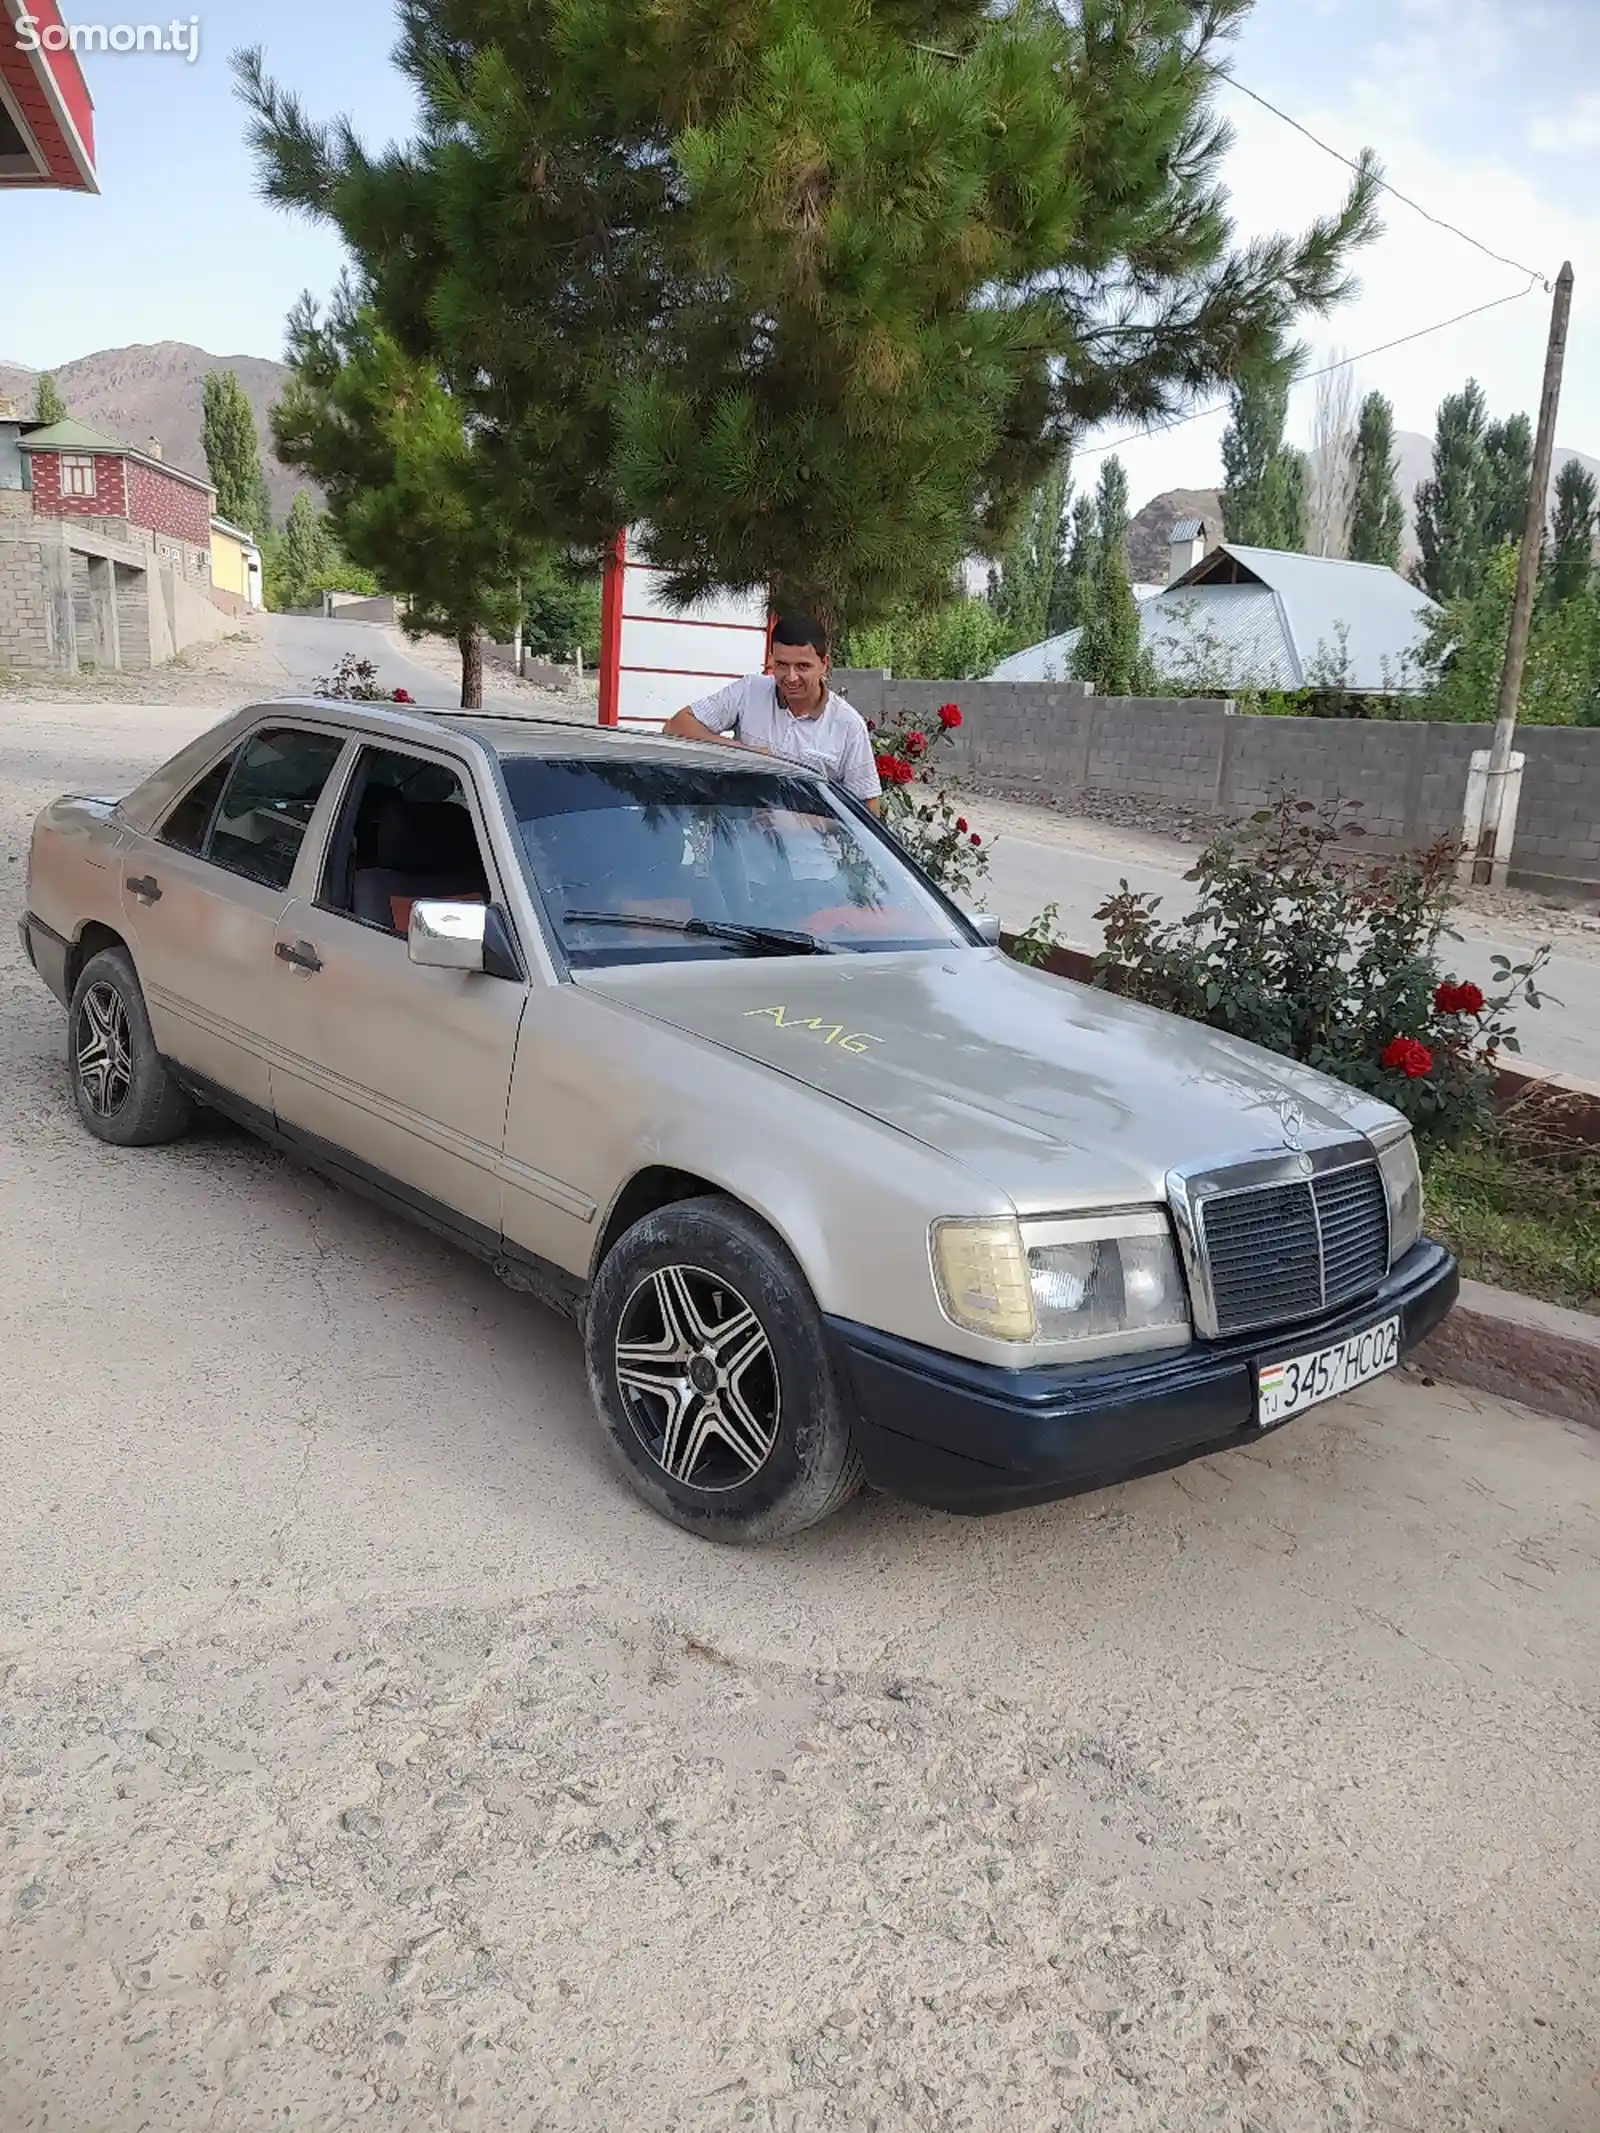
point(1402, 1186)
point(1112, 1276)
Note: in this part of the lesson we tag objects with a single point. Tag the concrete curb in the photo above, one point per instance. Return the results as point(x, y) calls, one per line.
point(1519, 1349)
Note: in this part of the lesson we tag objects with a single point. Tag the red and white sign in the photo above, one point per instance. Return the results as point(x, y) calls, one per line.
point(654, 659)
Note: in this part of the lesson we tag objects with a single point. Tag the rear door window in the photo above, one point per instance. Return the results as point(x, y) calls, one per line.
point(275, 783)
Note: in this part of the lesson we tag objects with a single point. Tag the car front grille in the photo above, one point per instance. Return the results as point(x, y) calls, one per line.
point(1281, 1252)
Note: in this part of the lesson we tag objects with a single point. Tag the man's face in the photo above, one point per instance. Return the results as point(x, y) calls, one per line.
point(799, 673)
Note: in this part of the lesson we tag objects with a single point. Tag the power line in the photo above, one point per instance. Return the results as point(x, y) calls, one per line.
point(1350, 164)
point(1217, 407)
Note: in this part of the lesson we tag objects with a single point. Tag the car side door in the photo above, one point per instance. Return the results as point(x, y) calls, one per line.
point(202, 895)
point(399, 1072)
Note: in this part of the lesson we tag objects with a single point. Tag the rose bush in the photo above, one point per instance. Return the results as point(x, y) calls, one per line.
point(1329, 959)
point(919, 811)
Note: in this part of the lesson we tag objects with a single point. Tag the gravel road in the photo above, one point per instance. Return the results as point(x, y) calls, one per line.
point(369, 1756)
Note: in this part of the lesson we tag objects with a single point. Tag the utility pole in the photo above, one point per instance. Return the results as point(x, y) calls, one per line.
point(1505, 718)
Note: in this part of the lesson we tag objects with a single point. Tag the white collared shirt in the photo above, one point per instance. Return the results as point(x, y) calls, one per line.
point(835, 742)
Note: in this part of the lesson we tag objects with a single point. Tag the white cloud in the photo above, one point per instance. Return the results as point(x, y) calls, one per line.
point(1412, 277)
point(1569, 132)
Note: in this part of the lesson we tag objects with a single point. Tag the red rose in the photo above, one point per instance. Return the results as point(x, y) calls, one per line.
point(1466, 999)
point(1406, 1056)
point(961, 825)
point(914, 743)
point(903, 772)
point(949, 716)
point(974, 840)
point(401, 696)
point(886, 766)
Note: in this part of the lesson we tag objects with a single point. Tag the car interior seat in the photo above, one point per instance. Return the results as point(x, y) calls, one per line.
point(406, 849)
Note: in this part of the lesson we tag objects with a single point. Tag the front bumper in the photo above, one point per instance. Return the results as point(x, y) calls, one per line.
point(973, 1437)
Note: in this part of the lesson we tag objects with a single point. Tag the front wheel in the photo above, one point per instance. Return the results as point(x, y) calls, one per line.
point(122, 1086)
point(711, 1376)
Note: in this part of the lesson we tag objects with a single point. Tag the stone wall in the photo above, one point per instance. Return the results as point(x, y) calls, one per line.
point(73, 595)
point(1408, 777)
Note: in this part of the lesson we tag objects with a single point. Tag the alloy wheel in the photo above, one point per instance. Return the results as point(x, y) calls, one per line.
point(698, 1378)
point(104, 1059)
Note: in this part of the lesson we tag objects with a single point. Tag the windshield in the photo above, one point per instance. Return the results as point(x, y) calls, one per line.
point(742, 861)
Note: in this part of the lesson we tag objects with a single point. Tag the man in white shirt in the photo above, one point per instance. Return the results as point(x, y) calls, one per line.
point(790, 712)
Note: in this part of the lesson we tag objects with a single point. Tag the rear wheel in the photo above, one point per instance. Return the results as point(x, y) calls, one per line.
point(122, 1086)
point(711, 1375)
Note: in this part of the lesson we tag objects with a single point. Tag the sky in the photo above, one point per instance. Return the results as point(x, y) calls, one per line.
point(1487, 112)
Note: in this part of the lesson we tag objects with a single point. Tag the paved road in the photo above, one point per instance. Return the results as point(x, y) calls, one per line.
point(1025, 875)
point(309, 647)
point(368, 1754)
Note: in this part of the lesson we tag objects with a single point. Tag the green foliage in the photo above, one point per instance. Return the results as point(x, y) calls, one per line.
point(303, 560)
point(1264, 480)
point(233, 455)
point(1463, 652)
point(1452, 520)
point(1025, 588)
point(48, 405)
point(1069, 602)
point(1377, 515)
point(1507, 472)
point(1033, 945)
point(560, 610)
point(956, 640)
point(1520, 1213)
point(815, 293)
point(1326, 960)
point(1569, 568)
point(1109, 652)
point(408, 495)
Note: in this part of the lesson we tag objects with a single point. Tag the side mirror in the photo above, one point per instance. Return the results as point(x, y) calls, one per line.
point(986, 924)
point(447, 936)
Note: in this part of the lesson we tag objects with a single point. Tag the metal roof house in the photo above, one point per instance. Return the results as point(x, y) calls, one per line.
point(1262, 618)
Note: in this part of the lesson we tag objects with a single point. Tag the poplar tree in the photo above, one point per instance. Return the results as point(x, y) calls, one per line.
point(814, 293)
point(1070, 601)
point(1377, 515)
point(1026, 582)
point(1507, 471)
point(48, 405)
point(1452, 504)
point(1569, 565)
point(1109, 651)
point(233, 454)
point(1264, 479)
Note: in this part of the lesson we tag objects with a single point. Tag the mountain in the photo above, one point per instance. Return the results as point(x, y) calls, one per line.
point(1149, 533)
point(136, 394)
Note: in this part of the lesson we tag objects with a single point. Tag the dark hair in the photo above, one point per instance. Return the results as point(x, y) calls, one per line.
point(801, 629)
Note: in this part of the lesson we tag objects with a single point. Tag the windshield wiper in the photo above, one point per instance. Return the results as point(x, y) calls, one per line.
point(770, 940)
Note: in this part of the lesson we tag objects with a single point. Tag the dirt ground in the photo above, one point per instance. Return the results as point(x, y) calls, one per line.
point(369, 1756)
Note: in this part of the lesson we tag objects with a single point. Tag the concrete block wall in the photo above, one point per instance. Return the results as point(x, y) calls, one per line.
point(1406, 778)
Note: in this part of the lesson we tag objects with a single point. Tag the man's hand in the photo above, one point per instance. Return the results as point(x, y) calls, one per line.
point(684, 726)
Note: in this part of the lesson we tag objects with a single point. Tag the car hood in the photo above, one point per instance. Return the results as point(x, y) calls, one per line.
point(1059, 1094)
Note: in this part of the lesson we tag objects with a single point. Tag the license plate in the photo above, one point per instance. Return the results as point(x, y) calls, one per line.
point(1285, 1389)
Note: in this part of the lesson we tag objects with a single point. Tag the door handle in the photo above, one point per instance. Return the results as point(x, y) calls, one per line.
point(302, 955)
point(145, 887)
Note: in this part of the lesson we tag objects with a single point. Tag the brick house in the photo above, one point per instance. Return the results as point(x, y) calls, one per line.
point(105, 552)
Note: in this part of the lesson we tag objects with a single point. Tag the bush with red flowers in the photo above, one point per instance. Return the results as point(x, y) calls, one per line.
point(401, 696)
point(1297, 946)
point(925, 821)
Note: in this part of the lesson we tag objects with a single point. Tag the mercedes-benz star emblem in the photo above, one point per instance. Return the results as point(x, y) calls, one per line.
point(1293, 1121)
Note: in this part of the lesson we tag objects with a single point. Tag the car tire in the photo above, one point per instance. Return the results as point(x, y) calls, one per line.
point(712, 1378)
point(124, 1090)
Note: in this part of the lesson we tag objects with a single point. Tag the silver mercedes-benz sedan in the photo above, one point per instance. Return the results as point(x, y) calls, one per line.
point(676, 1037)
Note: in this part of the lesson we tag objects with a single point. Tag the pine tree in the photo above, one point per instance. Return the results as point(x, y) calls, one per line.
point(1569, 566)
point(1507, 471)
point(386, 439)
point(233, 455)
point(1070, 601)
point(1109, 650)
point(813, 294)
point(48, 405)
point(1452, 513)
point(1377, 515)
point(1264, 480)
point(1025, 587)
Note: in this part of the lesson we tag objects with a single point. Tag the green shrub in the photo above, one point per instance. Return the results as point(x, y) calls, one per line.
point(1329, 960)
